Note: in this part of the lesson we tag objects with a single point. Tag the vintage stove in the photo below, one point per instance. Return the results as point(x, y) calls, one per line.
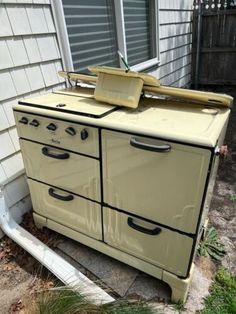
point(134, 184)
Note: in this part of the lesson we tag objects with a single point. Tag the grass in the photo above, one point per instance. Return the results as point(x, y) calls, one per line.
point(66, 301)
point(222, 299)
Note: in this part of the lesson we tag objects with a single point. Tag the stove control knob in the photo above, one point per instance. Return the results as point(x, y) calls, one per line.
point(84, 134)
point(34, 123)
point(52, 127)
point(24, 120)
point(70, 131)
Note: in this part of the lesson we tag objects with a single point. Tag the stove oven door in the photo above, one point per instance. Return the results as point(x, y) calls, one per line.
point(155, 179)
point(69, 171)
point(67, 209)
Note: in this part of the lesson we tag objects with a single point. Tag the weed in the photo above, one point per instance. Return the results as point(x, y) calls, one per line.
point(210, 246)
point(67, 301)
point(179, 306)
point(233, 197)
point(222, 299)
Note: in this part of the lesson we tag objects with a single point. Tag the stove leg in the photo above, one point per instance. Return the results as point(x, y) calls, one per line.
point(179, 287)
point(39, 221)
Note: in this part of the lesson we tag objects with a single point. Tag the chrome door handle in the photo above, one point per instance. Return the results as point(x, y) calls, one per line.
point(165, 148)
point(46, 152)
point(66, 198)
point(154, 231)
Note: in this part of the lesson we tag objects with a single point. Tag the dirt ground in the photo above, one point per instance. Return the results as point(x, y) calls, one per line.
point(21, 275)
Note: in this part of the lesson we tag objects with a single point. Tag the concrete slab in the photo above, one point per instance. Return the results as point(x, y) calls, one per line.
point(149, 288)
point(116, 275)
point(112, 274)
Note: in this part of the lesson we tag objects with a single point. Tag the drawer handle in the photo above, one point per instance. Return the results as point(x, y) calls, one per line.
point(66, 198)
point(165, 148)
point(46, 152)
point(154, 231)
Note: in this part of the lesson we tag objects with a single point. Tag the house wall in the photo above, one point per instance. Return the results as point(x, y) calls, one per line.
point(175, 42)
point(29, 61)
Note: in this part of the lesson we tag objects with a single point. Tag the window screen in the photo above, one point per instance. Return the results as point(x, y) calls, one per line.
point(137, 30)
point(92, 34)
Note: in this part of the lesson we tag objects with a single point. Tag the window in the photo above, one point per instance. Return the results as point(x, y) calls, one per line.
point(97, 29)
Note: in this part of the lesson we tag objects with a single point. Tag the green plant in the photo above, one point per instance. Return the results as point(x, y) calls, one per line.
point(210, 246)
point(66, 301)
point(179, 306)
point(222, 299)
point(233, 197)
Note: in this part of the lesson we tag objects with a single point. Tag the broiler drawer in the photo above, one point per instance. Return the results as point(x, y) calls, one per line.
point(154, 179)
point(63, 169)
point(72, 136)
point(66, 208)
point(159, 246)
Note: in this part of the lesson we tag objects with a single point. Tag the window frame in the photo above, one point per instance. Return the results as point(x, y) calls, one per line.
point(63, 38)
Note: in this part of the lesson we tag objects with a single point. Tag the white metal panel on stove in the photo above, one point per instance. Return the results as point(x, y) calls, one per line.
point(62, 172)
point(77, 213)
point(35, 77)
point(7, 88)
point(5, 57)
point(20, 81)
point(37, 19)
point(32, 49)
point(17, 51)
point(19, 20)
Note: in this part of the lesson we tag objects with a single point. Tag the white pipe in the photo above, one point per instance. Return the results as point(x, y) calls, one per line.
point(63, 270)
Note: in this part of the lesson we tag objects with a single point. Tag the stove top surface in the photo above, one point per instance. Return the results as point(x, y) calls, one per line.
point(80, 104)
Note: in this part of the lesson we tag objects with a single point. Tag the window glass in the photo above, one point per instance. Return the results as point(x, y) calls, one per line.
point(137, 30)
point(92, 33)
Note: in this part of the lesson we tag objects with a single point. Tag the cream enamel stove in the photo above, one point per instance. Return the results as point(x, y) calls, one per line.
point(134, 184)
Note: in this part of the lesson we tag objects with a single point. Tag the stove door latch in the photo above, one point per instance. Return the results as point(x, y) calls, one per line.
point(84, 134)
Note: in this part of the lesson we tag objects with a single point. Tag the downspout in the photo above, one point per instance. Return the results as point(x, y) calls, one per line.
point(199, 35)
point(63, 270)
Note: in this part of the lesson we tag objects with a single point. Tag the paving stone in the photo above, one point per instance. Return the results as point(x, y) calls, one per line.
point(149, 288)
point(118, 276)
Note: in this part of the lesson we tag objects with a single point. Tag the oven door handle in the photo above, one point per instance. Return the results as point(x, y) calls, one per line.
point(165, 148)
point(154, 231)
point(66, 198)
point(46, 152)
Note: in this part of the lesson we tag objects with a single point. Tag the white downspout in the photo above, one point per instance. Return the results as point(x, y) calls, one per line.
point(63, 270)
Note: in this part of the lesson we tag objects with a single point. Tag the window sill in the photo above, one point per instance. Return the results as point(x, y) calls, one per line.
point(145, 65)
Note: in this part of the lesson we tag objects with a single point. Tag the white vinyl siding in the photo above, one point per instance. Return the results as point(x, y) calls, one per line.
point(175, 42)
point(29, 62)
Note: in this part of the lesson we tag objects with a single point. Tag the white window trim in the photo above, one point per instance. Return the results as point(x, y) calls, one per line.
point(121, 38)
point(63, 39)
